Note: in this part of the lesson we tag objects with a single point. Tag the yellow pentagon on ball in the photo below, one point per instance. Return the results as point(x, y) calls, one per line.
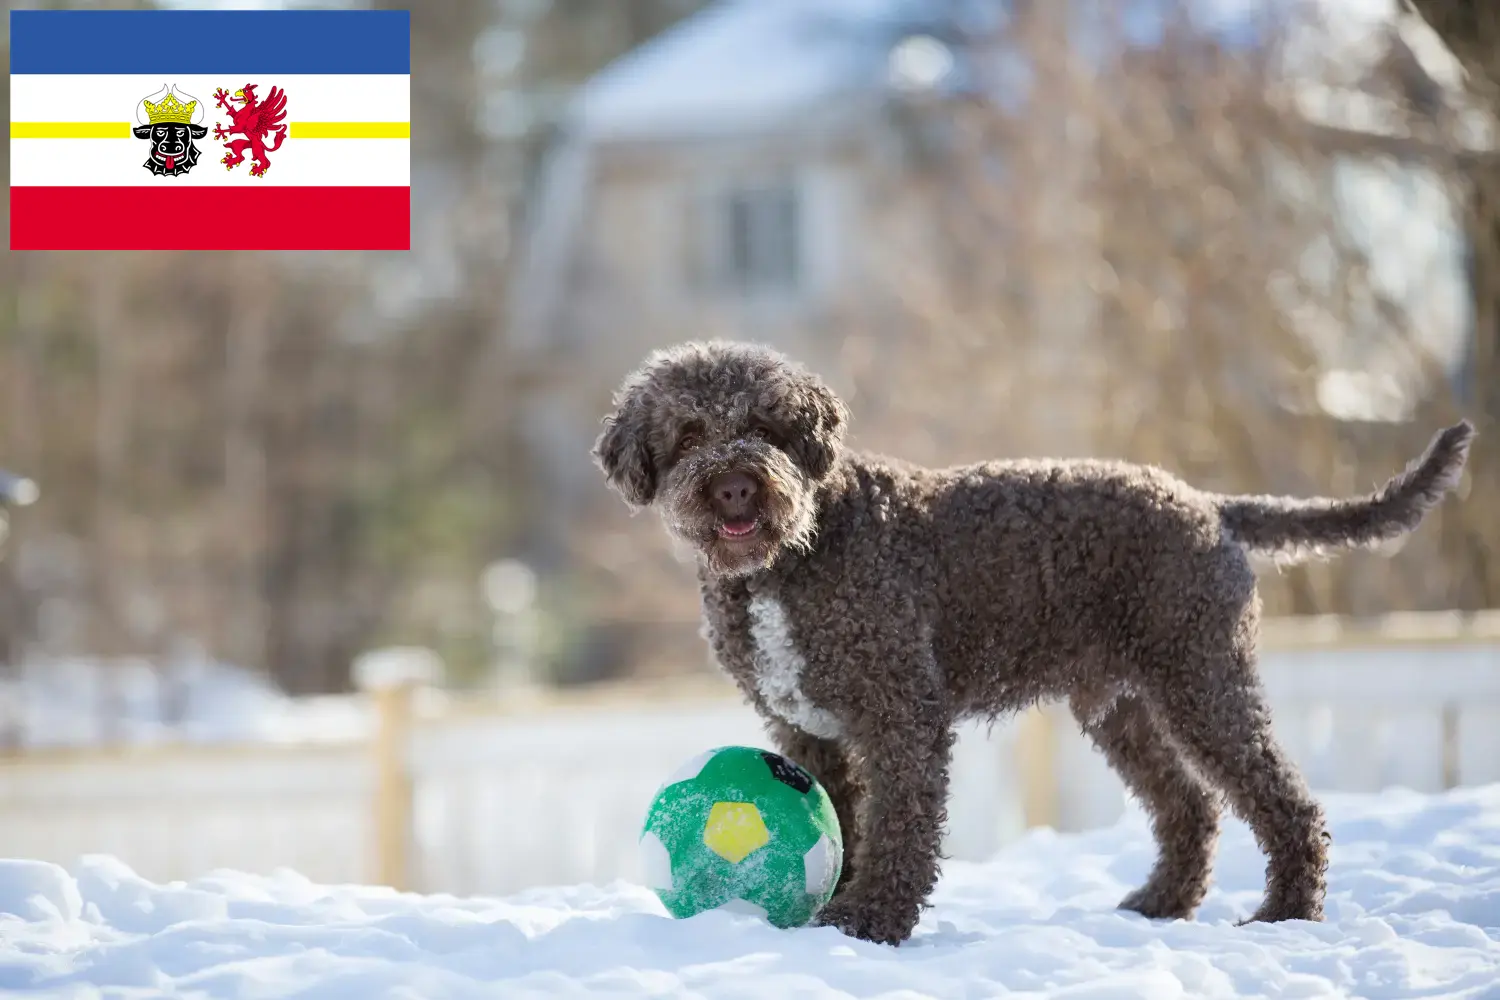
point(734, 830)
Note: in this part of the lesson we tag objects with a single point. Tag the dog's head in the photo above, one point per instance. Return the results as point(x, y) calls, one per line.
point(729, 442)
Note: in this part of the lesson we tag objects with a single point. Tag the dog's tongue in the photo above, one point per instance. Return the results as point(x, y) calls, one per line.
point(738, 527)
point(171, 162)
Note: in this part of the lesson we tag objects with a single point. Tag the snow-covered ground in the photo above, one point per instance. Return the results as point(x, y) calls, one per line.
point(1414, 911)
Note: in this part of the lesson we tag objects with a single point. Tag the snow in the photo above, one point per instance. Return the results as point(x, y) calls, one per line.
point(1413, 912)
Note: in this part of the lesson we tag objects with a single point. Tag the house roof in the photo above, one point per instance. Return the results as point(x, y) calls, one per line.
point(738, 65)
point(735, 64)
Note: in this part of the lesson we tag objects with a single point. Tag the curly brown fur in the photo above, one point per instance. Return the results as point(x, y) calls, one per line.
point(864, 605)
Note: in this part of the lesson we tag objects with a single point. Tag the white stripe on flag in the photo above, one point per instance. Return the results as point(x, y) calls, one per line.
point(309, 97)
point(120, 162)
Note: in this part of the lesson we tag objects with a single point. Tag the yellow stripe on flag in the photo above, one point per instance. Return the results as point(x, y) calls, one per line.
point(298, 130)
point(70, 130)
point(350, 130)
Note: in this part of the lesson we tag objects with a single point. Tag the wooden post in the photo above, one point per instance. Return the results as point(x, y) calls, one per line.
point(393, 785)
point(392, 677)
point(1036, 760)
point(1452, 774)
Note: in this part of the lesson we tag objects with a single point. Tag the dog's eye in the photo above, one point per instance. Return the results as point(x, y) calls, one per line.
point(760, 433)
point(687, 443)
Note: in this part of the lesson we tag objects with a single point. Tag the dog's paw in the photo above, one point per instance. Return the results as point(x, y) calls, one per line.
point(1154, 904)
point(1292, 907)
point(867, 922)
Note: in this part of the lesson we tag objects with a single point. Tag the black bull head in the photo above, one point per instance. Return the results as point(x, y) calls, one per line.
point(172, 149)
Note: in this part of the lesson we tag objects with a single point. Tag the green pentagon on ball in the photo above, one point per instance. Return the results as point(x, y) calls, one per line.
point(742, 829)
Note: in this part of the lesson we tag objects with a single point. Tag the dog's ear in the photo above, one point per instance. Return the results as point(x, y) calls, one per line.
point(623, 451)
point(818, 420)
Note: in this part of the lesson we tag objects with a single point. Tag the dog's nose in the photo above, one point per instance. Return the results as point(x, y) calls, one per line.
point(732, 492)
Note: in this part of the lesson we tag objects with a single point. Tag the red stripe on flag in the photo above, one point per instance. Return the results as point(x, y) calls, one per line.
point(210, 218)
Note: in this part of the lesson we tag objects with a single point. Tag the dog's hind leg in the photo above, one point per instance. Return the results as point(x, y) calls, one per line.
point(826, 761)
point(1214, 707)
point(1184, 810)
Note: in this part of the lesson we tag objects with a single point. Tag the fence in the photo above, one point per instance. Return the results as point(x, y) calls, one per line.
point(1409, 700)
point(486, 814)
point(471, 796)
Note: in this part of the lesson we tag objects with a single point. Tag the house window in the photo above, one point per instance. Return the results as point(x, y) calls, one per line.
point(751, 240)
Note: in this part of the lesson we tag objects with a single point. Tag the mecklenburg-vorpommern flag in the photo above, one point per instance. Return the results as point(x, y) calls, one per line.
point(210, 130)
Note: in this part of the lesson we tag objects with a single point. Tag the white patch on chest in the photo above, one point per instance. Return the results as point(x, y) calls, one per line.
point(778, 670)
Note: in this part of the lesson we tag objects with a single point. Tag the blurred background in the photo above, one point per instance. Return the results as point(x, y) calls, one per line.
point(319, 572)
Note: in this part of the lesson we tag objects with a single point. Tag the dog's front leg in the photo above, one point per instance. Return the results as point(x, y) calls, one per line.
point(826, 761)
point(903, 765)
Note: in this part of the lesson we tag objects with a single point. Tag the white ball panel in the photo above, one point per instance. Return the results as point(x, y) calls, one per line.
point(818, 863)
point(742, 906)
point(690, 768)
point(656, 863)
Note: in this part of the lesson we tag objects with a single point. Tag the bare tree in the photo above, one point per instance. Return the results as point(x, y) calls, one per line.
point(1471, 31)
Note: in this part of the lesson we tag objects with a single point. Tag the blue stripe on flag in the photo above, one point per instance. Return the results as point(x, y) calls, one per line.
point(239, 42)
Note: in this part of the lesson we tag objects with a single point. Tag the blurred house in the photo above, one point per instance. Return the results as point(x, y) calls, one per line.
point(741, 175)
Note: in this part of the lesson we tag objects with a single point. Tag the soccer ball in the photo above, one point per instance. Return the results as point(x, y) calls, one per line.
point(746, 830)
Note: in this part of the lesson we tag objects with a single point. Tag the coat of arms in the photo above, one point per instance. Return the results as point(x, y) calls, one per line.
point(255, 120)
point(171, 123)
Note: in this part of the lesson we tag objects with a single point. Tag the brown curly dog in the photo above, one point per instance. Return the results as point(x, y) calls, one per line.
point(864, 605)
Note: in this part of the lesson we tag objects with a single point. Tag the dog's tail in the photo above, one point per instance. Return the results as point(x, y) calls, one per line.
point(1293, 529)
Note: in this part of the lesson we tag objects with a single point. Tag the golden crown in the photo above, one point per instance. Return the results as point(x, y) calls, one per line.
point(170, 109)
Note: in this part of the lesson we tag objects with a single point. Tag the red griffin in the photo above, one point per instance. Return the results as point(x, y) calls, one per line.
point(255, 121)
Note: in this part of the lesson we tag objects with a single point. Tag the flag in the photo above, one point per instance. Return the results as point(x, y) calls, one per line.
point(210, 130)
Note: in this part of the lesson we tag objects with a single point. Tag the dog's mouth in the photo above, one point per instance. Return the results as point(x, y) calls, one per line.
point(739, 530)
point(741, 522)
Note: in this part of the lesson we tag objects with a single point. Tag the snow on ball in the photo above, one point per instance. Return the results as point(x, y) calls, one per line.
point(744, 830)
